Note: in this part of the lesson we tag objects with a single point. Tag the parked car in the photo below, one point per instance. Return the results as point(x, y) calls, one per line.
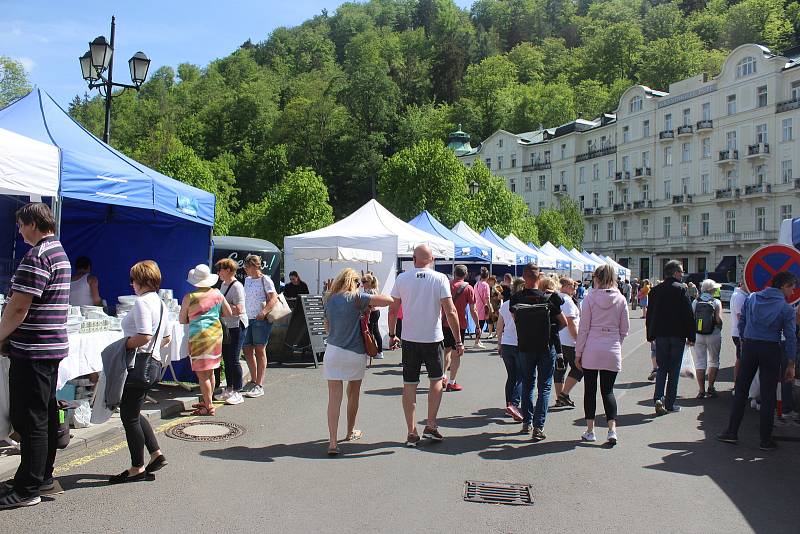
point(725, 293)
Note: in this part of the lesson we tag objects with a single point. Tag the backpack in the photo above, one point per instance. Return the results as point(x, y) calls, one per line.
point(533, 325)
point(705, 317)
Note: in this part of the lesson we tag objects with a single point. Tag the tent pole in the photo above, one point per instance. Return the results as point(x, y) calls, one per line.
point(318, 276)
point(57, 215)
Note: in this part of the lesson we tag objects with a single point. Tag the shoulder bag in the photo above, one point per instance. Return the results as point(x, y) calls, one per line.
point(146, 370)
point(281, 308)
point(226, 333)
point(370, 345)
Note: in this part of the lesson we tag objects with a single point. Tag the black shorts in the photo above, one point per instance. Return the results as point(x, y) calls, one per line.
point(415, 354)
point(449, 342)
point(737, 342)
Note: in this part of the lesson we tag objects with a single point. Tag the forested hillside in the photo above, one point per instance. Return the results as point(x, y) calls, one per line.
point(288, 114)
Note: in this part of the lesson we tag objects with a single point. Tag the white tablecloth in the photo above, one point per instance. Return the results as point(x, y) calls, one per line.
point(84, 355)
point(178, 348)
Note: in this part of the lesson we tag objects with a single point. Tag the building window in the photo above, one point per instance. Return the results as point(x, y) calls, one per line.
point(610, 198)
point(595, 200)
point(582, 200)
point(687, 117)
point(563, 151)
point(610, 167)
point(746, 67)
point(499, 162)
point(645, 227)
point(512, 185)
point(706, 147)
point(547, 156)
point(646, 159)
point(667, 226)
point(706, 111)
point(796, 91)
point(595, 232)
point(731, 100)
point(761, 96)
point(563, 176)
point(488, 163)
point(761, 219)
point(686, 152)
point(685, 225)
point(500, 143)
point(528, 182)
point(610, 231)
point(701, 265)
point(624, 229)
point(731, 179)
point(534, 158)
point(626, 164)
point(786, 125)
point(667, 189)
point(761, 172)
point(730, 138)
point(685, 185)
point(542, 182)
point(513, 160)
point(626, 134)
point(625, 195)
point(786, 171)
point(705, 184)
point(761, 133)
point(645, 192)
point(668, 121)
point(596, 171)
point(541, 206)
point(705, 223)
point(582, 175)
point(645, 128)
point(786, 211)
point(667, 155)
point(636, 104)
point(730, 221)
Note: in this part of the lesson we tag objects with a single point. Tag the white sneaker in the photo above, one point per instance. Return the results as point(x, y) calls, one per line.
point(257, 391)
point(480, 346)
point(379, 356)
point(588, 436)
point(234, 398)
point(223, 395)
point(612, 437)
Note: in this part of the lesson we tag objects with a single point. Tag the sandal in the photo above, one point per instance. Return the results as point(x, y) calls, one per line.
point(355, 435)
point(701, 395)
point(334, 451)
point(205, 410)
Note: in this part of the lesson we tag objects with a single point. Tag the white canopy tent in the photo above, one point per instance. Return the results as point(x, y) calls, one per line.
point(589, 260)
point(500, 256)
point(544, 261)
point(624, 272)
point(336, 255)
point(576, 266)
point(28, 167)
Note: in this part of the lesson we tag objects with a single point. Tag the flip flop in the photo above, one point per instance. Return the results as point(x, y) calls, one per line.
point(205, 410)
point(355, 435)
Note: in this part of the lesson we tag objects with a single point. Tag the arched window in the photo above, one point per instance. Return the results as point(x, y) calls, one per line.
point(636, 104)
point(746, 67)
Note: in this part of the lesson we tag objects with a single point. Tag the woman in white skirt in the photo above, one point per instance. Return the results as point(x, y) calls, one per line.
point(345, 355)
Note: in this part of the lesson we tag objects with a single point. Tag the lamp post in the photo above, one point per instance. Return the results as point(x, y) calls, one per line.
point(97, 68)
point(473, 188)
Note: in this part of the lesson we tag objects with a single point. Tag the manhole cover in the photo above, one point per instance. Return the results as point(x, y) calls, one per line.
point(205, 431)
point(498, 493)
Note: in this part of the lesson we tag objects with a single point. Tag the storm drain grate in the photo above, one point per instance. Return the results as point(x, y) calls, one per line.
point(205, 431)
point(498, 493)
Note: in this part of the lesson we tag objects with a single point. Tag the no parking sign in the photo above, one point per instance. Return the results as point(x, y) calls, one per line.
point(768, 261)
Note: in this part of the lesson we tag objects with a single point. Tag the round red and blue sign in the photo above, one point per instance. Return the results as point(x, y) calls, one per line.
point(768, 261)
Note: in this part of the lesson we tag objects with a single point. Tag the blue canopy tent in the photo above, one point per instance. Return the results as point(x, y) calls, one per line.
point(465, 251)
point(522, 257)
point(588, 267)
point(111, 208)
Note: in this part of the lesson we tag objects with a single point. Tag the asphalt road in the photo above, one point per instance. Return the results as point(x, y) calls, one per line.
point(666, 475)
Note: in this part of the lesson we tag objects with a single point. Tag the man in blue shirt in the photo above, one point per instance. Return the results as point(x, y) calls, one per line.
point(765, 317)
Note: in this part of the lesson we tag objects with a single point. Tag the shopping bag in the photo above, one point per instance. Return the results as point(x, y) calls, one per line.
point(687, 365)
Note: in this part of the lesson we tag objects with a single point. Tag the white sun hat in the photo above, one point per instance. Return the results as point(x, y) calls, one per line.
point(201, 276)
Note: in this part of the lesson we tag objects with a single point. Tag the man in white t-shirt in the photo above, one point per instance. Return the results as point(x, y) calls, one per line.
point(568, 337)
point(737, 302)
point(423, 293)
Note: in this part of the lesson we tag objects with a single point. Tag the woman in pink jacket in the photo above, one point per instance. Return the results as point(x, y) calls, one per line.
point(598, 351)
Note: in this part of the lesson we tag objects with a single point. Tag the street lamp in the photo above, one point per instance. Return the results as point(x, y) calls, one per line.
point(473, 188)
point(97, 67)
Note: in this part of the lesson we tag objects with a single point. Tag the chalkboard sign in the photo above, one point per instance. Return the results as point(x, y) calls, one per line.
point(314, 311)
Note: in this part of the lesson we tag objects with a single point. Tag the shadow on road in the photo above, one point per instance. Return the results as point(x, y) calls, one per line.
point(310, 450)
point(623, 420)
point(83, 481)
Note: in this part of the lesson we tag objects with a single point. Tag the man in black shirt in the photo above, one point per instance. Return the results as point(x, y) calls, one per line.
point(294, 289)
point(538, 318)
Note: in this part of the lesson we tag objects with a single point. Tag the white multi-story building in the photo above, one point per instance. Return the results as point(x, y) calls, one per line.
point(703, 173)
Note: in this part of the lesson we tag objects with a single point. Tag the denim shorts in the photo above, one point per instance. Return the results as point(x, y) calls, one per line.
point(257, 333)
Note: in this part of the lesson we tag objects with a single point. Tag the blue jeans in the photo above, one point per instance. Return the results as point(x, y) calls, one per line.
point(537, 367)
point(513, 362)
point(669, 355)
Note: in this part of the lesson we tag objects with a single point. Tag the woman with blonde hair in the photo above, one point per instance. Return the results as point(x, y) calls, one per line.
point(260, 298)
point(201, 310)
point(598, 351)
point(345, 355)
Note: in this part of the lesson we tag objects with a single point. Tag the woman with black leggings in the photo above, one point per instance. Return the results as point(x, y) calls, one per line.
point(598, 351)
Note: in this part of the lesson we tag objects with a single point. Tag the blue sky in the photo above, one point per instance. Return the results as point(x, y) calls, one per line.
point(48, 36)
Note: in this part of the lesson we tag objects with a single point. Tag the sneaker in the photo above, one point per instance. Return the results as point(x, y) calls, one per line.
point(768, 445)
point(247, 387)
point(674, 409)
point(223, 395)
point(412, 440)
point(479, 346)
point(526, 428)
point(454, 386)
point(612, 437)
point(564, 398)
point(432, 434)
point(234, 398)
point(660, 410)
point(652, 375)
point(257, 391)
point(538, 434)
point(44, 487)
point(588, 436)
point(12, 499)
point(513, 411)
point(728, 437)
point(560, 403)
point(379, 356)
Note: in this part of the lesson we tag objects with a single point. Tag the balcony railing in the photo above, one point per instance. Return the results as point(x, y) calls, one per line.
point(721, 194)
point(682, 199)
point(642, 172)
point(758, 149)
point(728, 155)
point(666, 135)
point(560, 189)
point(538, 165)
point(619, 207)
point(685, 130)
point(787, 105)
point(621, 176)
point(705, 125)
point(592, 211)
point(797, 183)
point(757, 189)
point(597, 153)
point(642, 204)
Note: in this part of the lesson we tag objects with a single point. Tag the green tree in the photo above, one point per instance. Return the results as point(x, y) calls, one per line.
point(662, 21)
point(426, 176)
point(483, 85)
point(428, 121)
point(591, 99)
point(614, 51)
point(670, 59)
point(573, 222)
point(552, 225)
point(758, 21)
point(529, 61)
point(494, 205)
point(13, 80)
